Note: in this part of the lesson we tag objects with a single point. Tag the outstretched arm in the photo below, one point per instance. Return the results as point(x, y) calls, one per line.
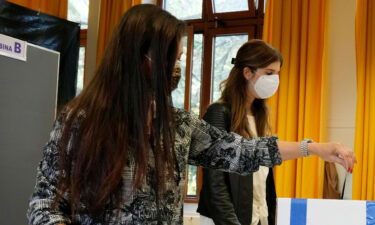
point(216, 149)
point(330, 152)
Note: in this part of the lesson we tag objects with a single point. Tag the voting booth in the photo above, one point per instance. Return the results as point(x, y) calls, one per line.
point(292, 211)
point(28, 95)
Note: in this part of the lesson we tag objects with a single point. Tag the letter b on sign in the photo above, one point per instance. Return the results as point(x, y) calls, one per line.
point(17, 47)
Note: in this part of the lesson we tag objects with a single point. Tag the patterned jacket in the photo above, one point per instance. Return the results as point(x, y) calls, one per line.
point(196, 143)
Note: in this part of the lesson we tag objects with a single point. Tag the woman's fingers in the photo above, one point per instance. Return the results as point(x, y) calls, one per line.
point(334, 152)
point(346, 157)
point(340, 161)
point(345, 162)
point(349, 162)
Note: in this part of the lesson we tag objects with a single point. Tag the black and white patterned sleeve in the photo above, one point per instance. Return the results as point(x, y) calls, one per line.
point(217, 149)
point(41, 209)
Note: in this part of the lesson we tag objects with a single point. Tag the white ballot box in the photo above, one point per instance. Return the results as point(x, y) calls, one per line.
point(293, 211)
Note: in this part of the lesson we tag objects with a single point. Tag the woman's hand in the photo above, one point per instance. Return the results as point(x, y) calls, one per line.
point(334, 152)
point(331, 152)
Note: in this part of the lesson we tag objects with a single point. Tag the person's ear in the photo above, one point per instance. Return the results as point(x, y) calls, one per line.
point(247, 74)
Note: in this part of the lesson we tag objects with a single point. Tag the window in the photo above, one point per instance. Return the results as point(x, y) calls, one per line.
point(81, 69)
point(217, 28)
point(221, 6)
point(225, 48)
point(179, 93)
point(78, 11)
point(185, 10)
point(196, 74)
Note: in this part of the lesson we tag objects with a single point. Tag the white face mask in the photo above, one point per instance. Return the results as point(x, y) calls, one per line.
point(266, 85)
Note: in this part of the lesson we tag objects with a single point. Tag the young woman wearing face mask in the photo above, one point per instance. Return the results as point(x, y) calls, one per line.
point(230, 198)
point(118, 152)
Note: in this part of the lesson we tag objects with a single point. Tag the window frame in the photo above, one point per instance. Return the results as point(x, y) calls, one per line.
point(251, 12)
point(83, 38)
point(83, 43)
point(189, 66)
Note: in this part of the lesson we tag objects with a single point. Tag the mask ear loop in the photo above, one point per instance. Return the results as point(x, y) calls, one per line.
point(153, 106)
point(147, 67)
point(148, 75)
point(151, 115)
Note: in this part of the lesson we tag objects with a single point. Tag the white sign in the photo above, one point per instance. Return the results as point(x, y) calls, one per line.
point(291, 211)
point(12, 47)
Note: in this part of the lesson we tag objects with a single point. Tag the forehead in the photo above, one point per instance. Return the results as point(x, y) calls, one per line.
point(273, 66)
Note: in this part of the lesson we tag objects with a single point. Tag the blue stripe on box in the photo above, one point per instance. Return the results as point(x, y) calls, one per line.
point(298, 211)
point(370, 213)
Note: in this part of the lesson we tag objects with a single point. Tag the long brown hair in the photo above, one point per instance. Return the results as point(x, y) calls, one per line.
point(105, 126)
point(253, 54)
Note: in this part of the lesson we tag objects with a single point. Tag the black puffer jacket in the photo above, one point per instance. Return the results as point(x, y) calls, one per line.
point(227, 198)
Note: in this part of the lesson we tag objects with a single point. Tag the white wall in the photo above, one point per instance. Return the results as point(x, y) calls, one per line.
point(341, 79)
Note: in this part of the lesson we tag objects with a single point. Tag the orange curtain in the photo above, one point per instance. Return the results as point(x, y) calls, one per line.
point(364, 171)
point(57, 8)
point(297, 29)
point(111, 12)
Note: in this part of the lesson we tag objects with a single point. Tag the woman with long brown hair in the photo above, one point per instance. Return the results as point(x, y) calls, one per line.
point(229, 198)
point(118, 152)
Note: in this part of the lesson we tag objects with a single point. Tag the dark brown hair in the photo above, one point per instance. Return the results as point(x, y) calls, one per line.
point(112, 111)
point(253, 54)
